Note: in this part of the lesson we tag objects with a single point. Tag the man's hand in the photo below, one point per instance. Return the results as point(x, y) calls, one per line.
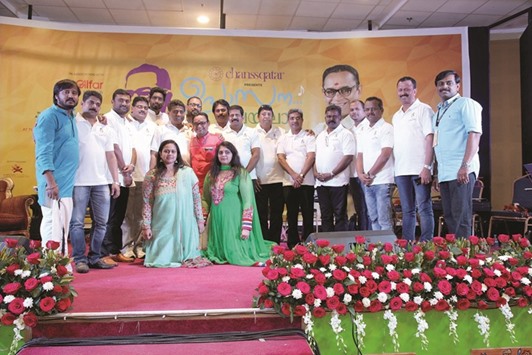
point(115, 190)
point(245, 234)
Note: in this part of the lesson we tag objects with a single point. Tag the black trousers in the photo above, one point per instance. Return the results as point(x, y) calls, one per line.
point(270, 204)
point(298, 199)
point(333, 207)
point(112, 242)
point(359, 200)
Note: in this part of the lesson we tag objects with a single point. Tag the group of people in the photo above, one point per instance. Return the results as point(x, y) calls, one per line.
point(176, 190)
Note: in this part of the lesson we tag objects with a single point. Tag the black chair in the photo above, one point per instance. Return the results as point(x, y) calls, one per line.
point(522, 201)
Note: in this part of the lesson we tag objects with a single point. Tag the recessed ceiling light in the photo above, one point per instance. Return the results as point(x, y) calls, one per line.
point(203, 19)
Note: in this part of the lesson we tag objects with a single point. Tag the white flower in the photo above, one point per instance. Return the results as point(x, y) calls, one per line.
point(298, 266)
point(48, 286)
point(468, 278)
point(309, 276)
point(332, 267)
point(453, 326)
point(18, 272)
point(382, 297)
point(317, 302)
point(407, 281)
point(375, 275)
point(347, 298)
point(422, 326)
point(328, 275)
point(405, 297)
point(392, 328)
point(497, 272)
point(28, 302)
point(366, 302)
point(418, 300)
point(453, 299)
point(449, 277)
point(530, 271)
point(360, 326)
point(484, 288)
point(525, 281)
point(8, 299)
point(438, 295)
point(286, 278)
point(25, 274)
point(393, 286)
point(19, 322)
point(504, 257)
point(390, 267)
point(510, 326)
point(336, 325)
point(481, 262)
point(351, 277)
point(427, 286)
point(346, 269)
point(433, 301)
point(297, 294)
point(322, 269)
point(362, 279)
point(330, 292)
point(415, 271)
point(359, 266)
point(483, 327)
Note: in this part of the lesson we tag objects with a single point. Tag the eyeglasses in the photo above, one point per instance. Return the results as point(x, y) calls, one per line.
point(343, 91)
point(202, 123)
point(195, 105)
point(140, 107)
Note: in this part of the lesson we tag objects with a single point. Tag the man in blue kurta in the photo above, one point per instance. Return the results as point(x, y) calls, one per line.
point(56, 161)
point(457, 130)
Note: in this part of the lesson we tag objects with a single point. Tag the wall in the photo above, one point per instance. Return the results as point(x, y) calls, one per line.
point(505, 120)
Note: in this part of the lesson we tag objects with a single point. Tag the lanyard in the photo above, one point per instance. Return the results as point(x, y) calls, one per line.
point(438, 117)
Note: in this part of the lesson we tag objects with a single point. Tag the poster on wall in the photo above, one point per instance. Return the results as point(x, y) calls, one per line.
point(251, 68)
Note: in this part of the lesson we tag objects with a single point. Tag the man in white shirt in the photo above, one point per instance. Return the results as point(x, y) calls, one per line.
point(126, 158)
point(156, 102)
point(194, 106)
point(358, 118)
point(335, 148)
point(375, 164)
point(220, 110)
point(244, 138)
point(296, 152)
point(145, 130)
point(96, 173)
point(175, 130)
point(269, 186)
point(413, 160)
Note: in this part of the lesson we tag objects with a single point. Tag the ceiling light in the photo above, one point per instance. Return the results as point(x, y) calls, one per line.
point(203, 19)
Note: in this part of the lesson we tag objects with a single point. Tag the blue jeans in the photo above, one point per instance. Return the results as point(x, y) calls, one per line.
point(457, 203)
point(414, 195)
point(379, 202)
point(100, 199)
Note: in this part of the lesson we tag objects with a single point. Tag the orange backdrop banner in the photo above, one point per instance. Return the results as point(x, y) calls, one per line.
point(245, 68)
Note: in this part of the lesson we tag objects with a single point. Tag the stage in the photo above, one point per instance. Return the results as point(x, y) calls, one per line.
point(160, 311)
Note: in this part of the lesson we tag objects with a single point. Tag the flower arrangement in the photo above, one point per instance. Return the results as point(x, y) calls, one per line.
point(32, 285)
point(446, 274)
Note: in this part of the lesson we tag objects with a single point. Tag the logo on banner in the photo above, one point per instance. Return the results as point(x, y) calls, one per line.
point(16, 169)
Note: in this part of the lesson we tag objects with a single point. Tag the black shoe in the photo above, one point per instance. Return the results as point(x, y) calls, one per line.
point(100, 264)
point(82, 267)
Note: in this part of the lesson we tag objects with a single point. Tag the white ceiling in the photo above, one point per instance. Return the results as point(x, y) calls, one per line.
point(297, 15)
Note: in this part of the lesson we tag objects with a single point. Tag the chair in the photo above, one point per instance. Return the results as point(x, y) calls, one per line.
point(15, 211)
point(480, 206)
point(522, 203)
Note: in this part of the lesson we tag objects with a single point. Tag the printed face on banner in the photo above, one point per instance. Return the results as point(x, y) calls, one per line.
point(340, 89)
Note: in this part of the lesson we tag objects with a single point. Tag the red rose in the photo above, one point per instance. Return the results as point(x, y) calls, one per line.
point(333, 302)
point(488, 281)
point(461, 260)
point(30, 319)
point(476, 273)
point(366, 260)
point(516, 276)
point(410, 257)
point(513, 261)
point(320, 292)
point(299, 311)
point(320, 278)
point(510, 291)
point(296, 273)
point(429, 255)
point(300, 249)
point(11, 288)
point(425, 306)
point(439, 272)
point(359, 306)
point(524, 243)
point(386, 259)
point(325, 259)
point(278, 250)
point(411, 306)
point(516, 237)
point(490, 241)
point(52, 244)
point(471, 295)
point(385, 286)
point(402, 243)
point(11, 243)
point(339, 274)
point(33, 258)
point(359, 239)
point(476, 287)
point(289, 255)
point(31, 283)
point(318, 312)
point(309, 298)
point(402, 288)
point(500, 282)
point(522, 302)
point(371, 285)
point(482, 305)
point(445, 287)
point(450, 238)
point(272, 275)
point(352, 289)
point(282, 271)
point(351, 257)
point(322, 243)
point(8, 319)
point(364, 291)
point(265, 271)
point(61, 270)
point(338, 248)
point(57, 289)
point(375, 306)
point(309, 258)
point(394, 275)
point(461, 273)
point(417, 249)
point(444, 254)
point(463, 304)
point(493, 294)
point(418, 287)
point(338, 289)
point(504, 238)
point(34, 244)
point(462, 289)
point(16, 306)
point(268, 303)
point(396, 304)
point(501, 302)
point(340, 260)
point(425, 278)
point(11, 269)
point(439, 241)
point(341, 309)
point(284, 289)
point(441, 306)
point(46, 279)
point(388, 247)
point(407, 273)
point(285, 309)
point(473, 240)
point(303, 287)
point(47, 304)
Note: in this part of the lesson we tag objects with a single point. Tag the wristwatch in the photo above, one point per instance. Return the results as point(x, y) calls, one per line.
point(429, 167)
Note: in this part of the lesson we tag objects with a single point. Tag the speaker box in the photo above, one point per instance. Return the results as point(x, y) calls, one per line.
point(348, 238)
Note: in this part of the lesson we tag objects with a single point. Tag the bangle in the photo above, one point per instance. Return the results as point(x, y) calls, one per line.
point(428, 167)
point(301, 175)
